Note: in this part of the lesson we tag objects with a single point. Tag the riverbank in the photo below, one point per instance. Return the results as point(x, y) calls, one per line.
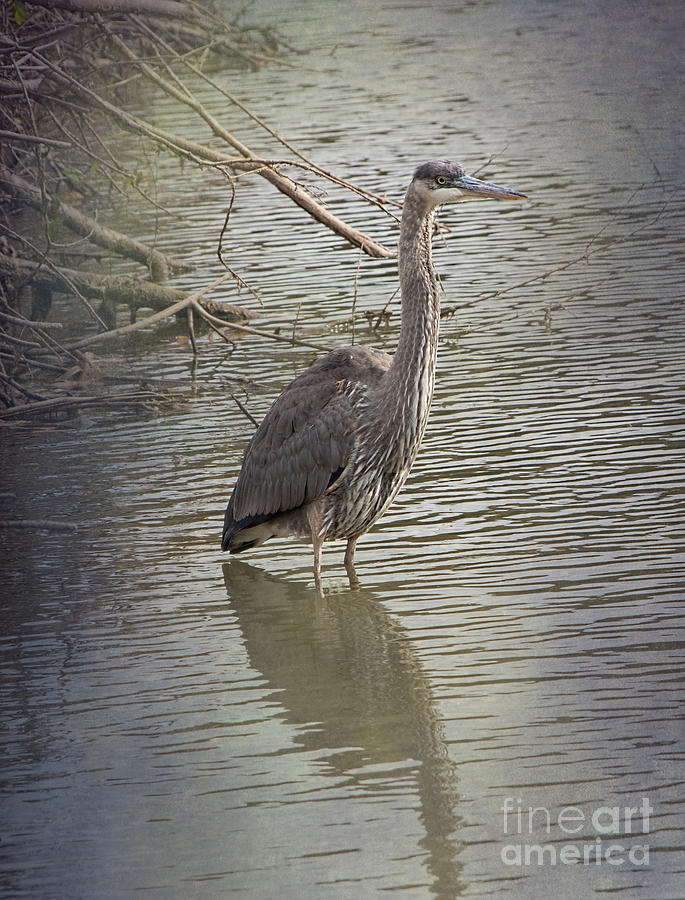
point(69, 76)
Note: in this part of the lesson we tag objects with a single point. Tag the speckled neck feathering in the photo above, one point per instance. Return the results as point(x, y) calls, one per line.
point(338, 443)
point(408, 385)
point(392, 415)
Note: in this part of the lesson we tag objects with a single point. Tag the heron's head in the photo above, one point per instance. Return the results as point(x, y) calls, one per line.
point(441, 181)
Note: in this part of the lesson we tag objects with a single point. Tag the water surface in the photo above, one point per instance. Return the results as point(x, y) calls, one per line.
point(176, 725)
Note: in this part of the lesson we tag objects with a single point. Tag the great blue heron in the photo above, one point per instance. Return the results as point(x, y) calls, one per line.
point(338, 443)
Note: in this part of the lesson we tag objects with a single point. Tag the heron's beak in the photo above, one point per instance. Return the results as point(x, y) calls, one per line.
point(474, 189)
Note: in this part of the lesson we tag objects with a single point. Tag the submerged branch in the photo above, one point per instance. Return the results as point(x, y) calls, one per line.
point(125, 289)
point(38, 524)
point(55, 404)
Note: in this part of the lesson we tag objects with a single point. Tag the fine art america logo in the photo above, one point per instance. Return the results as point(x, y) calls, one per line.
point(613, 835)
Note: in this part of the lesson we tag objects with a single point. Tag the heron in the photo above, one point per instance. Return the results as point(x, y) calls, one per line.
point(338, 443)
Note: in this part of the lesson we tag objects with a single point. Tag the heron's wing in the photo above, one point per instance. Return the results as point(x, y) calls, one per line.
point(305, 440)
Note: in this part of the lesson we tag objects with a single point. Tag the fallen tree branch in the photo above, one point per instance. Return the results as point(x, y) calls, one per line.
point(184, 303)
point(377, 199)
point(167, 313)
point(159, 263)
point(168, 8)
point(70, 402)
point(126, 289)
point(33, 139)
point(201, 153)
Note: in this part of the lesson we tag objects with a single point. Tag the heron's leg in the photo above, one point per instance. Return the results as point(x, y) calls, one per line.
point(315, 514)
point(349, 563)
point(318, 543)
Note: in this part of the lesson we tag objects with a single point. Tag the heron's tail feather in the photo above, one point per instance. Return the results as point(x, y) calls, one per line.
point(245, 533)
point(246, 538)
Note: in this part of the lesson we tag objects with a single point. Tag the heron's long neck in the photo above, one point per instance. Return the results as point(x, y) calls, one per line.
point(408, 385)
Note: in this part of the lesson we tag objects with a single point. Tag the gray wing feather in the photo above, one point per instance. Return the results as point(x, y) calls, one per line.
point(307, 436)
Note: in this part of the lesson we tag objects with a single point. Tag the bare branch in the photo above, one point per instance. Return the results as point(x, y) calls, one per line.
point(113, 288)
point(32, 139)
point(54, 404)
point(207, 154)
point(170, 8)
point(159, 263)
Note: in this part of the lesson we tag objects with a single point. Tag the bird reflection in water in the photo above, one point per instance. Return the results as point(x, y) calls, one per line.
point(343, 665)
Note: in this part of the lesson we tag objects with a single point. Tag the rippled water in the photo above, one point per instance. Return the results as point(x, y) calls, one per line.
point(179, 726)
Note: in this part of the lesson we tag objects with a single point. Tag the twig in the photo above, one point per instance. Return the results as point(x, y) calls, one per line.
point(354, 297)
point(244, 410)
point(103, 163)
point(177, 307)
point(44, 260)
point(32, 139)
point(384, 312)
point(297, 318)
point(27, 363)
point(22, 343)
point(241, 282)
point(587, 253)
point(27, 323)
point(17, 387)
point(191, 329)
point(258, 332)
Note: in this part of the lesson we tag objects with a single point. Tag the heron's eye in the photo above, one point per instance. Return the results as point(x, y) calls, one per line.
point(441, 179)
